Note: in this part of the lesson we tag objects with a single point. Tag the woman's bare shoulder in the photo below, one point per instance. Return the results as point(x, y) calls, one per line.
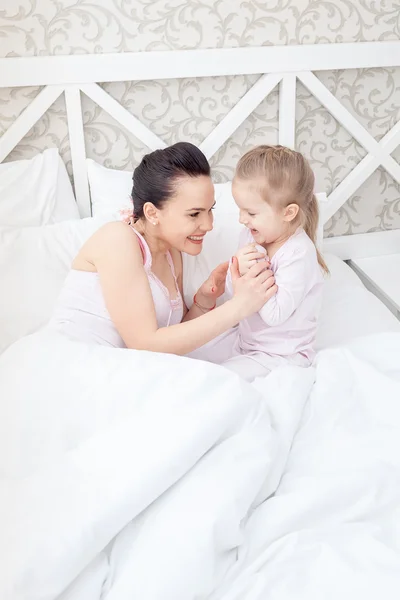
point(112, 239)
point(115, 230)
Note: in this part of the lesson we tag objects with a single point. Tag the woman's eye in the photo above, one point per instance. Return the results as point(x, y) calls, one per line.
point(194, 215)
point(251, 214)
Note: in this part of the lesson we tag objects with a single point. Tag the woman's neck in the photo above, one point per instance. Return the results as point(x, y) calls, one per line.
point(157, 246)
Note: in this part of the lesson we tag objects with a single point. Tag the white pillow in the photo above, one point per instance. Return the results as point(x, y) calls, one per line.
point(33, 264)
point(36, 191)
point(110, 189)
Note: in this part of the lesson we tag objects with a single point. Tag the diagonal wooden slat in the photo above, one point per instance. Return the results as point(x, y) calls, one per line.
point(28, 118)
point(364, 169)
point(123, 116)
point(378, 152)
point(349, 185)
point(344, 117)
point(337, 110)
point(387, 144)
point(239, 113)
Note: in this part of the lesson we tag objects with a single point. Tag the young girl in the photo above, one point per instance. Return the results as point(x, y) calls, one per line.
point(274, 190)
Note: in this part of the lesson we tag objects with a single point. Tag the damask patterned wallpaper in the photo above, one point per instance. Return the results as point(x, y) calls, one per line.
point(188, 109)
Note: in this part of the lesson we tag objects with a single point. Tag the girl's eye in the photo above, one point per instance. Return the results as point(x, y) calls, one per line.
point(251, 214)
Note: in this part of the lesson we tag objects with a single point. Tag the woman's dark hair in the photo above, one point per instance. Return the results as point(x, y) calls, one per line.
point(155, 177)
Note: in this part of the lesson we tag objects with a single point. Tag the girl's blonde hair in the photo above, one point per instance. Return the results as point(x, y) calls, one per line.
point(287, 179)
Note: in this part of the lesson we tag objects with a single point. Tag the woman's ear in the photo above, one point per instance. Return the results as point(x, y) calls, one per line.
point(291, 212)
point(151, 213)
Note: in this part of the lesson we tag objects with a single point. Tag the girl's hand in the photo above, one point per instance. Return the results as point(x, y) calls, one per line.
point(248, 257)
point(213, 287)
point(252, 290)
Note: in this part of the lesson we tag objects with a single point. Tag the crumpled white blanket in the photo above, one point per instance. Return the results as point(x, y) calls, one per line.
point(131, 474)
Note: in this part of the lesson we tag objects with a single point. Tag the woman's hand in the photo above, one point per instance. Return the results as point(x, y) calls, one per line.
point(213, 287)
point(254, 289)
point(248, 256)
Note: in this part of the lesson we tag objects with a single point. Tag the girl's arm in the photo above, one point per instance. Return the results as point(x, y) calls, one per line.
point(292, 281)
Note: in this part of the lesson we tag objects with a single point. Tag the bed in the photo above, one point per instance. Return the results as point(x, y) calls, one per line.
point(213, 488)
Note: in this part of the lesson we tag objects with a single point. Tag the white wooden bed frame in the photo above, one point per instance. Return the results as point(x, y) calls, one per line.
point(278, 65)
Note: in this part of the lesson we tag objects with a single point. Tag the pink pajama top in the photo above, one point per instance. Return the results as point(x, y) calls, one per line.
point(287, 324)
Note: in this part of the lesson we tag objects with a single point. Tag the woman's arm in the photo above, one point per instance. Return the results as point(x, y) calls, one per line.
point(197, 310)
point(207, 295)
point(203, 304)
point(128, 299)
point(215, 286)
point(130, 304)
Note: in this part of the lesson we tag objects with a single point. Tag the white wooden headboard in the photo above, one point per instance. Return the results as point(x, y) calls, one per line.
point(282, 65)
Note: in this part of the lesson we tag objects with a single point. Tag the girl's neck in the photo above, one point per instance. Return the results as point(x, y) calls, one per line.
point(273, 247)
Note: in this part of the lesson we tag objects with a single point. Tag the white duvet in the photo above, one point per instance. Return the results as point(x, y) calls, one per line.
point(129, 475)
point(332, 529)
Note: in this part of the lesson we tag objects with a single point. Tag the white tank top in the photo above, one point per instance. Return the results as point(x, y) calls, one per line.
point(82, 314)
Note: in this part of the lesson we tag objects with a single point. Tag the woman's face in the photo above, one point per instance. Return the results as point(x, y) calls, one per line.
point(187, 216)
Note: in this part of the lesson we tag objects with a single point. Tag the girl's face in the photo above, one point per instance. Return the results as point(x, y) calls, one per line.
point(266, 223)
point(186, 217)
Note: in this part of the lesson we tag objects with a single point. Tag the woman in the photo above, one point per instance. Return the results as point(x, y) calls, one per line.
point(125, 286)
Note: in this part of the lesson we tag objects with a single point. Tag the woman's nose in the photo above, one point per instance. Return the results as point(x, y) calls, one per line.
point(207, 224)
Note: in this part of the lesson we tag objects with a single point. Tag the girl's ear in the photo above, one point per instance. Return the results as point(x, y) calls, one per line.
point(291, 212)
